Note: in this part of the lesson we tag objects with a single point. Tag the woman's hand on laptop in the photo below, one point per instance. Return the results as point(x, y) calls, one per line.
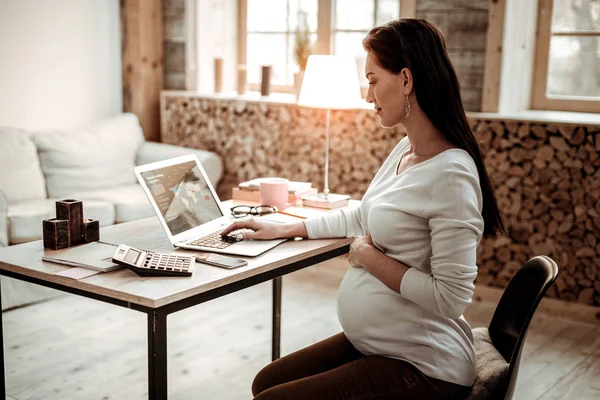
point(266, 230)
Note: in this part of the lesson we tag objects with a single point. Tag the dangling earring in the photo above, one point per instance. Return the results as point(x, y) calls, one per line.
point(406, 108)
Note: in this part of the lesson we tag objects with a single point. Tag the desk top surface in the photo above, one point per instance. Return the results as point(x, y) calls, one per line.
point(124, 284)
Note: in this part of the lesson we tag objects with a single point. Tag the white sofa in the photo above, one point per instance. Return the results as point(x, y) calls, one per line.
point(92, 163)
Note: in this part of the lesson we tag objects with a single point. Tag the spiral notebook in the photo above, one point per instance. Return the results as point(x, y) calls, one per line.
point(93, 255)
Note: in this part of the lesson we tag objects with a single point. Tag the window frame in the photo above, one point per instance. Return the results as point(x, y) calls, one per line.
point(325, 32)
point(539, 99)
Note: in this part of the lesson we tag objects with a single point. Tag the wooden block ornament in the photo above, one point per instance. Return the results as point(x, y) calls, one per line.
point(72, 210)
point(91, 230)
point(56, 233)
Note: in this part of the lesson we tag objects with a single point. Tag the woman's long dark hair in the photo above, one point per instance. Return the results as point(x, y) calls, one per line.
point(420, 46)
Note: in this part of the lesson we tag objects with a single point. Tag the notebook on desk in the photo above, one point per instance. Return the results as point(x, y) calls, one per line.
point(189, 209)
point(93, 255)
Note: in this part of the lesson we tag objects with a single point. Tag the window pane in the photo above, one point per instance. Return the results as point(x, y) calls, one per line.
point(354, 14)
point(387, 10)
point(576, 15)
point(267, 49)
point(574, 66)
point(349, 43)
point(267, 16)
point(309, 7)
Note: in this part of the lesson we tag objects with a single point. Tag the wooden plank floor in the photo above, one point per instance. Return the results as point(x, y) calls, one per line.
point(74, 348)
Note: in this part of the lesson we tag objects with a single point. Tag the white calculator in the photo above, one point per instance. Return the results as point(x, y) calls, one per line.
point(149, 263)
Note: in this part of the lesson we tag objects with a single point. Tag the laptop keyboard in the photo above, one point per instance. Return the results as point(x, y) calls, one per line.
point(215, 240)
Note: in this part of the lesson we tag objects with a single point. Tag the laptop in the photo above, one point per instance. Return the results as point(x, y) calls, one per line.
point(190, 210)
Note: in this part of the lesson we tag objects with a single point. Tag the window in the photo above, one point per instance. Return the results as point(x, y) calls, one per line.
point(334, 26)
point(271, 35)
point(353, 19)
point(567, 66)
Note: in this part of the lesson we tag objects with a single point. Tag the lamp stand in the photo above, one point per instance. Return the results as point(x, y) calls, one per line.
point(325, 199)
point(326, 188)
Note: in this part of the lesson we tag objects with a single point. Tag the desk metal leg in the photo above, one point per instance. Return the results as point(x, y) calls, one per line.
point(157, 354)
point(3, 381)
point(276, 340)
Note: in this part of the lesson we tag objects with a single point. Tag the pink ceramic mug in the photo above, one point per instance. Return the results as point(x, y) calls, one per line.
point(274, 192)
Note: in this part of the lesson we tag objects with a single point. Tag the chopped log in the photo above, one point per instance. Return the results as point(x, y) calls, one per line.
point(539, 131)
point(497, 127)
point(512, 128)
point(566, 130)
point(586, 296)
point(503, 254)
point(591, 240)
point(552, 227)
point(515, 170)
point(516, 155)
point(565, 226)
point(530, 143)
point(559, 143)
point(586, 252)
point(502, 241)
point(546, 153)
point(523, 131)
point(578, 136)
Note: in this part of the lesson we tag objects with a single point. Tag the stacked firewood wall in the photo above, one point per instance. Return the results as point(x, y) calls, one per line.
point(547, 181)
point(547, 177)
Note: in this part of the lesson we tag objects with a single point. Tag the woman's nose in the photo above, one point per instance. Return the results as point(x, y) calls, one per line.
point(370, 98)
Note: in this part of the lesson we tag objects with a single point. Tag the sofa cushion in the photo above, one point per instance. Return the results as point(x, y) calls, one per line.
point(130, 201)
point(25, 217)
point(21, 176)
point(3, 220)
point(492, 368)
point(100, 155)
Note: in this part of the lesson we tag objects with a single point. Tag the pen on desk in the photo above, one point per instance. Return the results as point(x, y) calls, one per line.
point(291, 215)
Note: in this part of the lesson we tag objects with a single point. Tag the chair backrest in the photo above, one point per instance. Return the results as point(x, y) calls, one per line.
point(513, 314)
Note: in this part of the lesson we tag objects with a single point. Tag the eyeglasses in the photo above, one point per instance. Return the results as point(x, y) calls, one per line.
point(242, 211)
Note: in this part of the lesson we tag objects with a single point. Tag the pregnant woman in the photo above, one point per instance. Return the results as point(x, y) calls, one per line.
point(413, 262)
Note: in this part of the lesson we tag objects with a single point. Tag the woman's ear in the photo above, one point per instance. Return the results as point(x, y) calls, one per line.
point(407, 81)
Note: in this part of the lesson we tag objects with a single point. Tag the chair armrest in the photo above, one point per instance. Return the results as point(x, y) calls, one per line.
point(211, 162)
point(3, 220)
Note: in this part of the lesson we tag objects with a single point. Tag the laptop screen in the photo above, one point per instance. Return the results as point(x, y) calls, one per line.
point(182, 195)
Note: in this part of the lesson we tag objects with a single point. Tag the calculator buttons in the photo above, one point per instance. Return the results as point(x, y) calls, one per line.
point(163, 264)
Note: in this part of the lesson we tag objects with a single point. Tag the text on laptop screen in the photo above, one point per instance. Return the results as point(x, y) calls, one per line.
point(182, 196)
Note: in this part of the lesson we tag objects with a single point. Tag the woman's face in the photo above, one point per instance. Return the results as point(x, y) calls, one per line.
point(386, 92)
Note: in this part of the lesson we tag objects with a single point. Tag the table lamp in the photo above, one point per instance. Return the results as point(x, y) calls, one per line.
point(330, 83)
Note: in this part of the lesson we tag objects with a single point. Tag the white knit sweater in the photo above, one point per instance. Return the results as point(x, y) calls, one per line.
point(428, 218)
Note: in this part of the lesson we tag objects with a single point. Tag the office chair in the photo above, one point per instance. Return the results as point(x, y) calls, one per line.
point(498, 348)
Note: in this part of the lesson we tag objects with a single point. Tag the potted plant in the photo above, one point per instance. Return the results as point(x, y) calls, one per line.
point(302, 49)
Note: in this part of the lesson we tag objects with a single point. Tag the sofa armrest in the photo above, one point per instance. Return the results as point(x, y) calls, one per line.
point(3, 220)
point(211, 162)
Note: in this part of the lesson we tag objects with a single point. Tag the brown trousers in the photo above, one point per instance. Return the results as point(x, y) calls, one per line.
point(334, 369)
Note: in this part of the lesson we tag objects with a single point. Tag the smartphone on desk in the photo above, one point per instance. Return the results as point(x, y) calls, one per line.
point(219, 260)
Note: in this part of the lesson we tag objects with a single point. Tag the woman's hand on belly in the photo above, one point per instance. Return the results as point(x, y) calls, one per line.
point(360, 249)
point(364, 253)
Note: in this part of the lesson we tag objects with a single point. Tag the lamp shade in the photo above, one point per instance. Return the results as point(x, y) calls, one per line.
point(330, 82)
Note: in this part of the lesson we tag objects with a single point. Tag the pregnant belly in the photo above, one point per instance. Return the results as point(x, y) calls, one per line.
point(371, 313)
point(379, 321)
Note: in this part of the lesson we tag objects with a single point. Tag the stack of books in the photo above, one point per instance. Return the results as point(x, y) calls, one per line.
point(250, 191)
point(329, 202)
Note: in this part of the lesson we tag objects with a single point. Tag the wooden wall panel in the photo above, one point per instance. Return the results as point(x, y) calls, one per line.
point(142, 59)
point(464, 25)
point(452, 5)
point(493, 57)
point(174, 27)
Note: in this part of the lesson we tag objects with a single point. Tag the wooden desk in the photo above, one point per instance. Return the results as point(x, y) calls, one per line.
point(161, 296)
